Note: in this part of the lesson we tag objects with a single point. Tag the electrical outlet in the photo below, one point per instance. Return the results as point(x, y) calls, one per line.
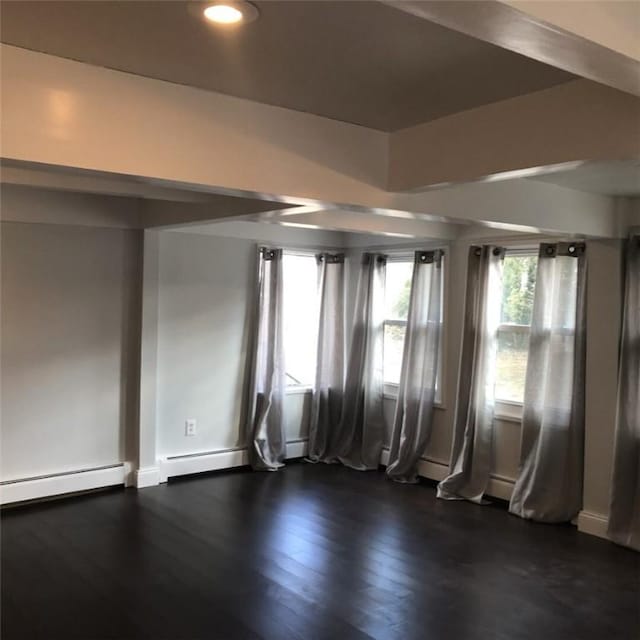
point(190, 427)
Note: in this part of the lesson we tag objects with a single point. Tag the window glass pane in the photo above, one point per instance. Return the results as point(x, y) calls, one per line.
point(300, 322)
point(393, 347)
point(511, 365)
point(565, 315)
point(518, 286)
point(397, 290)
point(396, 303)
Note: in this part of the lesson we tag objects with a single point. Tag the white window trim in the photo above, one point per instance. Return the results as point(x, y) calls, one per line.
point(508, 327)
point(390, 392)
point(298, 389)
point(508, 411)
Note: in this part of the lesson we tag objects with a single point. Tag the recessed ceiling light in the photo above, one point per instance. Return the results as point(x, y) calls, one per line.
point(229, 13)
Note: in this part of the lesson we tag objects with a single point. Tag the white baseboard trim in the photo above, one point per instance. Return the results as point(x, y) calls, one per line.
point(60, 483)
point(500, 487)
point(172, 466)
point(146, 477)
point(432, 469)
point(594, 524)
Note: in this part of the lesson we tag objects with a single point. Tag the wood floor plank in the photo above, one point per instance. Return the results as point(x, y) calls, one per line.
point(312, 552)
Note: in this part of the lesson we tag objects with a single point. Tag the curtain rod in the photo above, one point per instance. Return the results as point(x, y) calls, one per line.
point(521, 240)
point(301, 250)
point(400, 248)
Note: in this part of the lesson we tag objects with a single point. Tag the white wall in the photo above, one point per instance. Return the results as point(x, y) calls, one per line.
point(205, 297)
point(30, 205)
point(604, 304)
point(69, 347)
point(203, 311)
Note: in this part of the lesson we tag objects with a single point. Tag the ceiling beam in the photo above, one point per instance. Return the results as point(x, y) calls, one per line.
point(159, 205)
point(167, 214)
point(521, 205)
point(62, 112)
point(69, 115)
point(28, 174)
point(364, 222)
point(614, 24)
point(533, 36)
point(575, 122)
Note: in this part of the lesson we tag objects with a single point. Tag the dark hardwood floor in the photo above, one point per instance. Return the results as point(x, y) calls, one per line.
point(309, 552)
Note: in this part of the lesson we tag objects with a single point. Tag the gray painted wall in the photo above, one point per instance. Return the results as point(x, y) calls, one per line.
point(69, 347)
point(203, 308)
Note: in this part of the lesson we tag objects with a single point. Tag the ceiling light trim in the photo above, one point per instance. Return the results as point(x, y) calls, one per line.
point(228, 14)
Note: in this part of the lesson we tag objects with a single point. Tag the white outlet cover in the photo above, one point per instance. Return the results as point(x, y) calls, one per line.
point(190, 427)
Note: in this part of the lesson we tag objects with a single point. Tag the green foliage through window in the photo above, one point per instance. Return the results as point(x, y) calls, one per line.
point(518, 286)
point(401, 307)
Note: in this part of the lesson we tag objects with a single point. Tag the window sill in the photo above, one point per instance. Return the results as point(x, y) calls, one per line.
point(391, 393)
point(298, 390)
point(508, 411)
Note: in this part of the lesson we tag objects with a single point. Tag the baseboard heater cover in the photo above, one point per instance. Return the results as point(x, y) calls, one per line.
point(188, 463)
point(54, 484)
point(432, 469)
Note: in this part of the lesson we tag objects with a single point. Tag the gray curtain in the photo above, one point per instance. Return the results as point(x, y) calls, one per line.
point(470, 464)
point(549, 483)
point(326, 403)
point(360, 431)
point(265, 432)
point(624, 513)
point(416, 393)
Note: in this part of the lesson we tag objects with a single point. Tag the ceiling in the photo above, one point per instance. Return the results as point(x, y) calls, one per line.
point(605, 178)
point(361, 62)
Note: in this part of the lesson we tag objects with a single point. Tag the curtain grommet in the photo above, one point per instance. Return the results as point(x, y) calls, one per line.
point(425, 257)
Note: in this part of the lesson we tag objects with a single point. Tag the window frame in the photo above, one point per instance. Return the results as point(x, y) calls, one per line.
point(390, 389)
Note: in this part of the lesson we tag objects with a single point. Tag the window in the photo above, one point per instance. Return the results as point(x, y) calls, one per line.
point(518, 287)
point(300, 318)
point(399, 273)
point(396, 310)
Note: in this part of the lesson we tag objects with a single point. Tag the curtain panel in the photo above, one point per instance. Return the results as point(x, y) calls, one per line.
point(326, 403)
point(624, 512)
point(470, 464)
point(265, 429)
point(360, 432)
point(417, 389)
point(549, 483)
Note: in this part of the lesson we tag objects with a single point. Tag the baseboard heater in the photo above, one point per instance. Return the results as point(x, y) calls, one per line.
point(432, 469)
point(181, 465)
point(55, 484)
